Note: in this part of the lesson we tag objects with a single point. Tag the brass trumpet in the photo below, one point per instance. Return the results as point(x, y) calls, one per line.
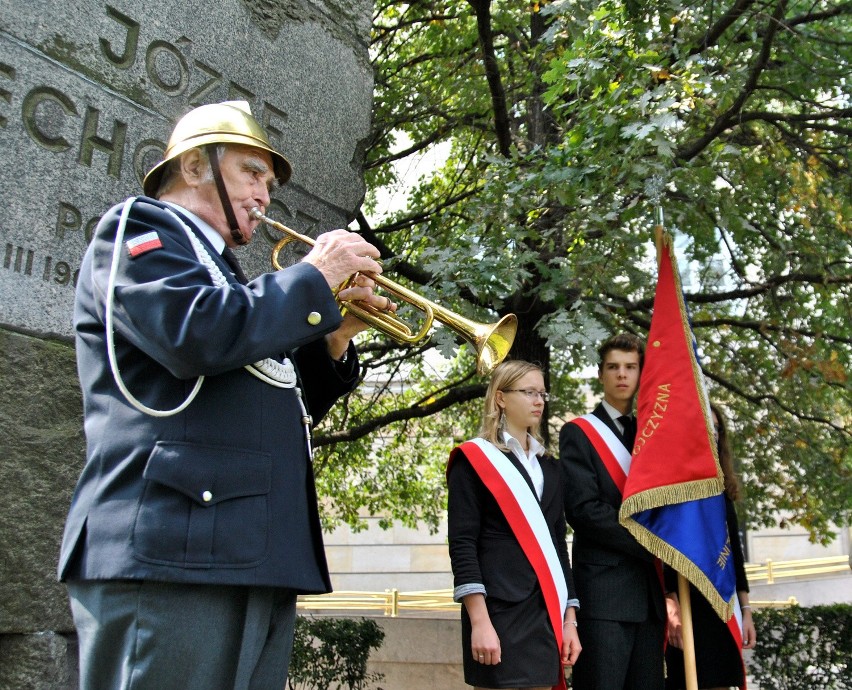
point(492, 342)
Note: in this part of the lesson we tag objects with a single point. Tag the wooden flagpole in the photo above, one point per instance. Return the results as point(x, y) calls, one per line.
point(690, 672)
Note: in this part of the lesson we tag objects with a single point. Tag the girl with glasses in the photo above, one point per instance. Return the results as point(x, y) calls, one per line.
point(507, 530)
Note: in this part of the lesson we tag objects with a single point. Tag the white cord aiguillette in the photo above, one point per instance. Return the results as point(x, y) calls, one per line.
point(270, 371)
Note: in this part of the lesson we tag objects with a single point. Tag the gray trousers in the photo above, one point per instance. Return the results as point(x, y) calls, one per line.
point(162, 636)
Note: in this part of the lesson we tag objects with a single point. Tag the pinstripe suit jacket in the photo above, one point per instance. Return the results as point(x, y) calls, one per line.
point(615, 576)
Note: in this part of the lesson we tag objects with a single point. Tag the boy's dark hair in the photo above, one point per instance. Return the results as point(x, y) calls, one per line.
point(623, 341)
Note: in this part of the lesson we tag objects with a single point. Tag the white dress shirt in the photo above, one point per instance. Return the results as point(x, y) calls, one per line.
point(615, 415)
point(529, 459)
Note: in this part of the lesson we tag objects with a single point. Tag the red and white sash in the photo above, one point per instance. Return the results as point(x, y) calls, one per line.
point(615, 457)
point(523, 513)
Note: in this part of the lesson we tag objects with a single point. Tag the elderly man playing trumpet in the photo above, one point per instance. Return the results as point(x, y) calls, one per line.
point(194, 523)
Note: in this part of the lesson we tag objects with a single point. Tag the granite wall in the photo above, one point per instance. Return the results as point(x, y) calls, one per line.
point(89, 92)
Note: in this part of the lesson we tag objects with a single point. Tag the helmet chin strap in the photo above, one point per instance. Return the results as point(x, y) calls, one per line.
point(236, 235)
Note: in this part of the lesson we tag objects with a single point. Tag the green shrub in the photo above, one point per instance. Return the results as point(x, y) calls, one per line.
point(333, 652)
point(803, 648)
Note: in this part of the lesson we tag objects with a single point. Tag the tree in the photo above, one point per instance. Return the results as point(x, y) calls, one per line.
point(572, 127)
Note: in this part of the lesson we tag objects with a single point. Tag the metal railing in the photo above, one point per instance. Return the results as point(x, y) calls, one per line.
point(392, 602)
point(791, 601)
point(770, 570)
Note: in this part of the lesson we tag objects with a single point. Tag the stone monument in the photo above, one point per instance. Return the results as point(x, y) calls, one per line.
point(89, 92)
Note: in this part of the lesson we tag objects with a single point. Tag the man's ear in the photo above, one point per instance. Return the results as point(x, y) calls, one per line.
point(192, 167)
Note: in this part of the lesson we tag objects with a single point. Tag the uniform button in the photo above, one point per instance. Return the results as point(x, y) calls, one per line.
point(207, 497)
point(314, 318)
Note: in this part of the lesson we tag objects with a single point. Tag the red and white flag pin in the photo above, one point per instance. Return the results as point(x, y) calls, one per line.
point(142, 244)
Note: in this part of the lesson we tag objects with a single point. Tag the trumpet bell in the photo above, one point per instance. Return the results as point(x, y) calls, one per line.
point(491, 342)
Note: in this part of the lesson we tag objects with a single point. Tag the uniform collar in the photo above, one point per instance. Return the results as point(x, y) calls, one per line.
point(213, 237)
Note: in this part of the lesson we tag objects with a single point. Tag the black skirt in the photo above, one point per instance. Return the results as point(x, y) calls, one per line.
point(718, 662)
point(528, 653)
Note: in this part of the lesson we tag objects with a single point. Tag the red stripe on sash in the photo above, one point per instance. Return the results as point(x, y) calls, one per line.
point(737, 634)
point(502, 493)
point(612, 467)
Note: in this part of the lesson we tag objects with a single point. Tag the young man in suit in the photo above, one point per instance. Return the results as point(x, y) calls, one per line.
point(622, 619)
point(194, 524)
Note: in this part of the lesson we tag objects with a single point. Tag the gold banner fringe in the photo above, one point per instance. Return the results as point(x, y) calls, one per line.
point(667, 495)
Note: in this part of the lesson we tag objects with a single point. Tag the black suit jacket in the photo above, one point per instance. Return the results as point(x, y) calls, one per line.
point(483, 548)
point(616, 577)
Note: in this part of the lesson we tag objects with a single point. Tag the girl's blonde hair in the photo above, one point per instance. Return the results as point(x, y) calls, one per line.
point(503, 378)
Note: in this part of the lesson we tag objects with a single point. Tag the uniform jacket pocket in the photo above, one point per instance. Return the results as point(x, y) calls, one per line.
point(204, 507)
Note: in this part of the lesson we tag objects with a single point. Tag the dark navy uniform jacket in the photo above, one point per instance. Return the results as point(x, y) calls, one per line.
point(222, 492)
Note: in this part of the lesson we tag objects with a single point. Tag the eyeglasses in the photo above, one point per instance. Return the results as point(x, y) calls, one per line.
point(531, 393)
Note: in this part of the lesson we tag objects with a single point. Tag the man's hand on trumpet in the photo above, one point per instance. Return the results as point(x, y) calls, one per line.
point(339, 254)
point(360, 289)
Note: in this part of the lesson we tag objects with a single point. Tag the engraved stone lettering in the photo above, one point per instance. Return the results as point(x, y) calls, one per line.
point(167, 68)
point(7, 72)
point(272, 119)
point(146, 154)
point(87, 109)
point(68, 218)
point(40, 115)
point(127, 56)
point(64, 275)
point(91, 224)
point(239, 93)
point(91, 141)
point(18, 259)
point(202, 94)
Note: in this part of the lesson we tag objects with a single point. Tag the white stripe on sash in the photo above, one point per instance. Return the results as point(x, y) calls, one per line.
point(622, 456)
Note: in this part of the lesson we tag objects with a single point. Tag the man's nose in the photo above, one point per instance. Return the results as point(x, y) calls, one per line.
point(262, 196)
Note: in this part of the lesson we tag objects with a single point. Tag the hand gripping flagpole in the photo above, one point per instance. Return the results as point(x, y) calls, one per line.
point(655, 189)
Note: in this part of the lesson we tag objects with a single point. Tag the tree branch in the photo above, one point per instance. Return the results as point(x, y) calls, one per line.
point(714, 33)
point(453, 396)
point(727, 119)
point(492, 74)
point(761, 326)
point(761, 398)
point(844, 8)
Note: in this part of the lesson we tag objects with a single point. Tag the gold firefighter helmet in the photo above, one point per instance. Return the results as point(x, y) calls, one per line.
point(229, 122)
